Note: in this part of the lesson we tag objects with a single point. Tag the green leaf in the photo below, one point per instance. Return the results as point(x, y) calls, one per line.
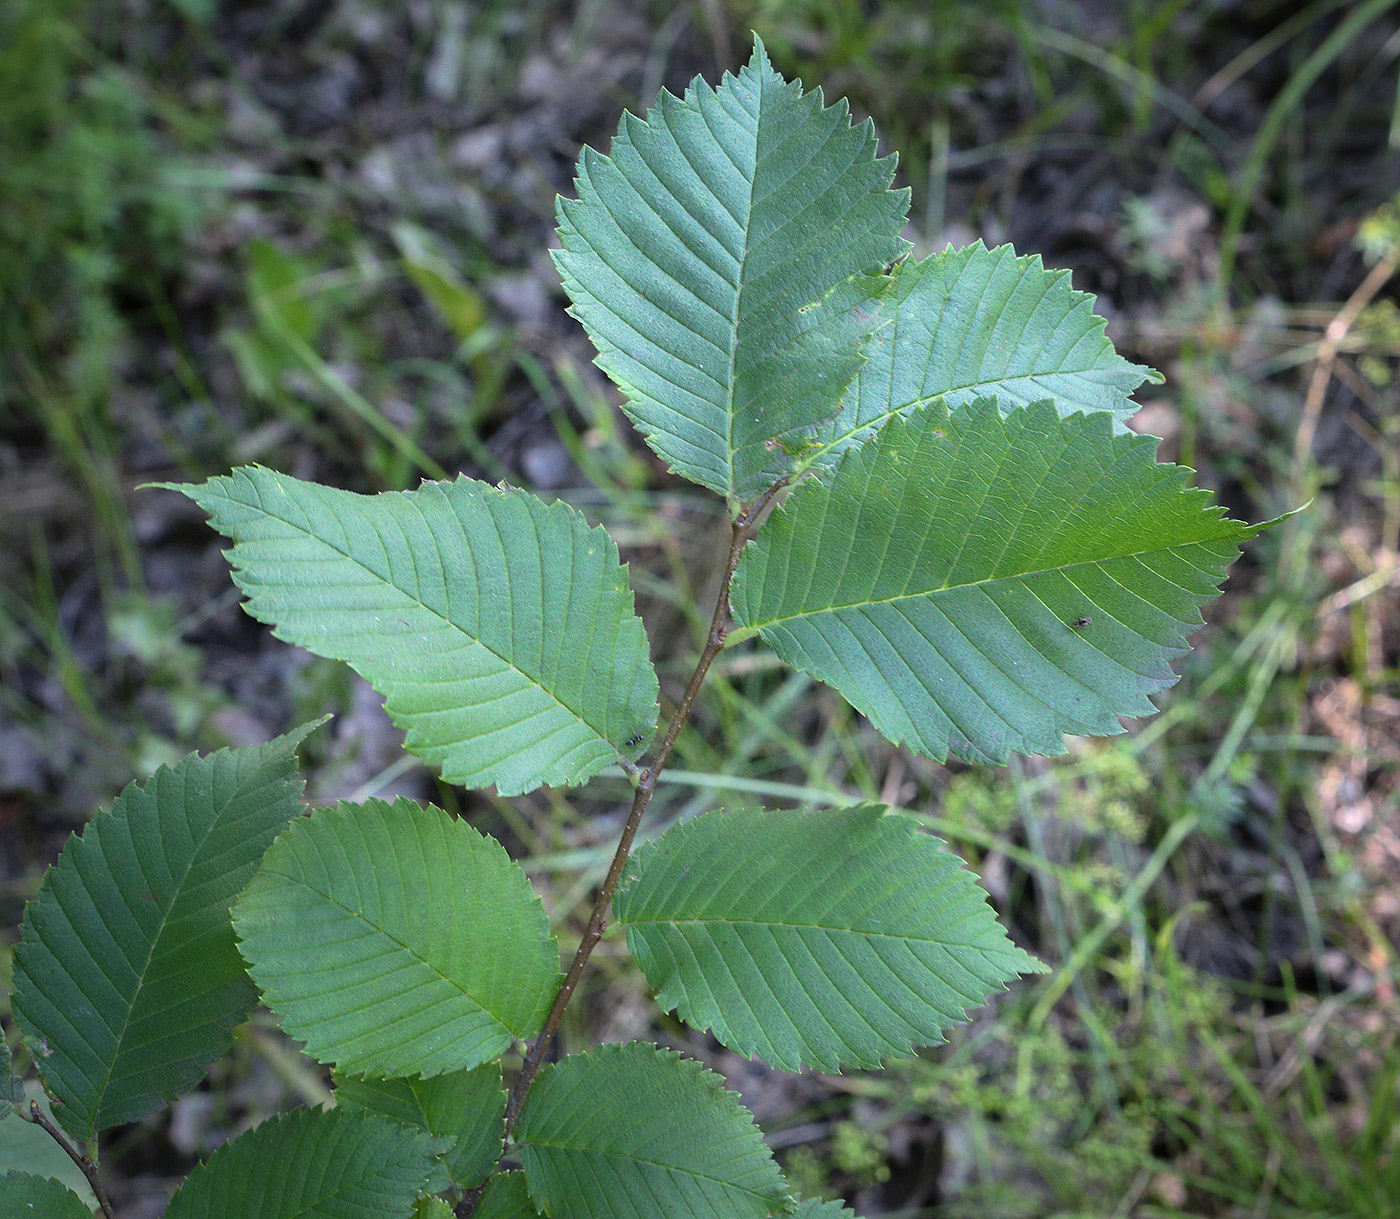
point(465, 1107)
point(311, 1163)
point(814, 1208)
point(709, 258)
point(22, 1194)
point(506, 1196)
point(128, 982)
point(276, 279)
point(634, 1132)
point(979, 584)
point(431, 1208)
point(974, 323)
point(395, 940)
point(826, 939)
point(27, 1147)
point(500, 629)
point(460, 305)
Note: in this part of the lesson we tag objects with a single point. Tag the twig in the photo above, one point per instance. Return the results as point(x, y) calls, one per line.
point(1336, 332)
point(87, 1167)
point(744, 526)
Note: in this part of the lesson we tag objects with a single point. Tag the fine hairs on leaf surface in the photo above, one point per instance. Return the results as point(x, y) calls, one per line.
point(973, 551)
point(434, 954)
point(818, 938)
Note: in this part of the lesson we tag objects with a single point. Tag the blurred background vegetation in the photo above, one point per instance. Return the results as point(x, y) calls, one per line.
point(313, 234)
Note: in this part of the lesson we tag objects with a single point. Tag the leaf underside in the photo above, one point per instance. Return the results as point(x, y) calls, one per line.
point(395, 940)
point(128, 981)
point(26, 1147)
point(467, 1108)
point(813, 938)
point(24, 1194)
point(975, 323)
point(633, 1132)
point(311, 1162)
point(980, 583)
point(500, 629)
point(710, 257)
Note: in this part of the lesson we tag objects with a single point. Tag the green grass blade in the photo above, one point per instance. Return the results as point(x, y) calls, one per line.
point(395, 940)
point(973, 323)
point(500, 629)
point(24, 1194)
point(634, 1132)
point(128, 982)
point(1345, 36)
point(466, 1108)
point(813, 938)
point(338, 1164)
point(977, 583)
point(709, 258)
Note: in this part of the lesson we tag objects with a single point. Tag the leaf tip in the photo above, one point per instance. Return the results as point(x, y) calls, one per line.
point(1027, 964)
point(293, 737)
point(759, 59)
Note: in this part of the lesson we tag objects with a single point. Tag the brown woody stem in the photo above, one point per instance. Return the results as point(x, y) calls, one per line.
point(85, 1165)
point(743, 530)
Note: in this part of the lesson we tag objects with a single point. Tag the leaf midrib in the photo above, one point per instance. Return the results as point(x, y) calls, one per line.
point(989, 383)
point(509, 663)
point(636, 1159)
point(394, 939)
point(108, 1077)
point(751, 922)
point(730, 450)
point(755, 625)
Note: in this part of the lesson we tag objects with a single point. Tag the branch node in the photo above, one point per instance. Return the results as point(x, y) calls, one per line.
point(743, 529)
point(84, 1163)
